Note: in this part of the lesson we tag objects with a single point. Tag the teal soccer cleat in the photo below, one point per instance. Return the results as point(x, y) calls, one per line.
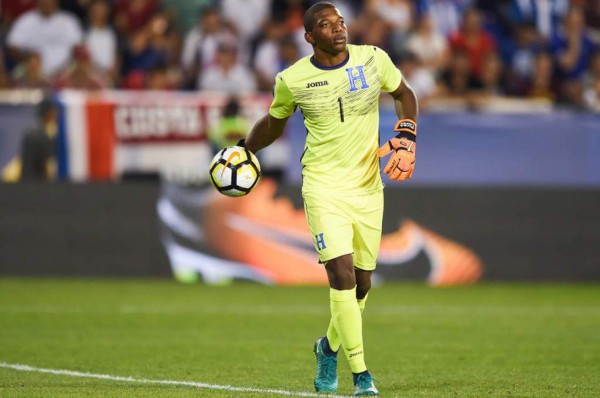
point(326, 378)
point(363, 384)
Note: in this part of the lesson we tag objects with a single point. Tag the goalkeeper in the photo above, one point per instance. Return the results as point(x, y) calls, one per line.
point(337, 89)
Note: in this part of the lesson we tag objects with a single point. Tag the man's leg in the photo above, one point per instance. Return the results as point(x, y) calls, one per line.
point(363, 285)
point(345, 311)
point(367, 220)
point(367, 215)
point(334, 234)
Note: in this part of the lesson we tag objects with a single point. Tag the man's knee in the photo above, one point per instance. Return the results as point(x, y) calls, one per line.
point(340, 272)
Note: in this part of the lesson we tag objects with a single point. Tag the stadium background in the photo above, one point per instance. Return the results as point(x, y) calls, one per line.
point(119, 264)
point(146, 90)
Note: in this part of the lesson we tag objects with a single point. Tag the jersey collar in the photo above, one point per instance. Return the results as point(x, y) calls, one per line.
point(323, 67)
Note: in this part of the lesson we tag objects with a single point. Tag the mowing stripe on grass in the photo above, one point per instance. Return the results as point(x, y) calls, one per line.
point(72, 373)
point(251, 310)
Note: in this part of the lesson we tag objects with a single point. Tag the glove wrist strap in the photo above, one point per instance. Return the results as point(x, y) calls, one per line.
point(406, 128)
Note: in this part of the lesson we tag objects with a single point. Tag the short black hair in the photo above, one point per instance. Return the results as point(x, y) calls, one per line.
point(309, 15)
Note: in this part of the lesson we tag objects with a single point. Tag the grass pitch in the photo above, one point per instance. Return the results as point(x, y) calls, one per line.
point(489, 340)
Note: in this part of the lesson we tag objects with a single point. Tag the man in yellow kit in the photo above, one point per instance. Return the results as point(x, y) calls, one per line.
point(337, 89)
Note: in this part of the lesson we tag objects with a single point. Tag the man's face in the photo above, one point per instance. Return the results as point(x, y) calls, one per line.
point(226, 57)
point(329, 33)
point(211, 22)
point(47, 7)
point(99, 13)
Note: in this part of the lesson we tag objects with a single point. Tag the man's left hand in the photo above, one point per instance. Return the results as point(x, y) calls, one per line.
point(403, 147)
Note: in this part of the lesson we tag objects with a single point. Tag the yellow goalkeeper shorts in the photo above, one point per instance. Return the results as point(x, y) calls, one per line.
point(342, 225)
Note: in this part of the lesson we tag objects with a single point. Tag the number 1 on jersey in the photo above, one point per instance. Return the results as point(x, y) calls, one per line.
point(341, 109)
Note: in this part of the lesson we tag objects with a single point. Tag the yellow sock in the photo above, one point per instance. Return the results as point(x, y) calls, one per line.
point(332, 335)
point(362, 302)
point(347, 320)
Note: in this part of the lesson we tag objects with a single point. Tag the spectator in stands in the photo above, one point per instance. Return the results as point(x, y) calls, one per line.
point(266, 61)
point(288, 53)
point(497, 14)
point(472, 39)
point(545, 15)
point(496, 20)
point(82, 74)
point(591, 96)
point(592, 19)
point(247, 28)
point(491, 82)
point(133, 15)
point(159, 79)
point(4, 80)
point(139, 57)
point(398, 15)
point(527, 43)
point(542, 84)
point(151, 57)
point(163, 36)
point(48, 31)
point(200, 44)
point(458, 81)
point(572, 50)
point(28, 73)
point(593, 71)
point(421, 78)
point(185, 12)
point(269, 61)
point(591, 84)
point(446, 14)
point(100, 39)
point(77, 8)
point(39, 147)
point(228, 75)
point(429, 46)
point(371, 28)
point(291, 12)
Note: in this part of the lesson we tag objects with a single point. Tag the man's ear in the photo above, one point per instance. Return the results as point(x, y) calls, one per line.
point(309, 38)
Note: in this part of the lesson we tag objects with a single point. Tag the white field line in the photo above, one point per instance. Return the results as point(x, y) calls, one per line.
point(72, 373)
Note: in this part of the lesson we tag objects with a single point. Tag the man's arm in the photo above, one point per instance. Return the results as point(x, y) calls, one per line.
point(403, 146)
point(405, 101)
point(264, 132)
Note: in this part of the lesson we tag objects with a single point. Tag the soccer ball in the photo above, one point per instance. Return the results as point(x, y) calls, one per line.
point(234, 171)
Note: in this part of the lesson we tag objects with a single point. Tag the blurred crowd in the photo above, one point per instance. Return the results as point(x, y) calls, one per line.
point(545, 50)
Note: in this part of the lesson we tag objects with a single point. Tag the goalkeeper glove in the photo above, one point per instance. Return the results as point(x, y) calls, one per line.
point(402, 147)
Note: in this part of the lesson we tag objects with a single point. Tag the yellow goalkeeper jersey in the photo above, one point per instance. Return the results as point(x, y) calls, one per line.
point(340, 105)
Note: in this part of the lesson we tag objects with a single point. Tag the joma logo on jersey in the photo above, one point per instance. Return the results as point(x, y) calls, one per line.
point(317, 84)
point(358, 77)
